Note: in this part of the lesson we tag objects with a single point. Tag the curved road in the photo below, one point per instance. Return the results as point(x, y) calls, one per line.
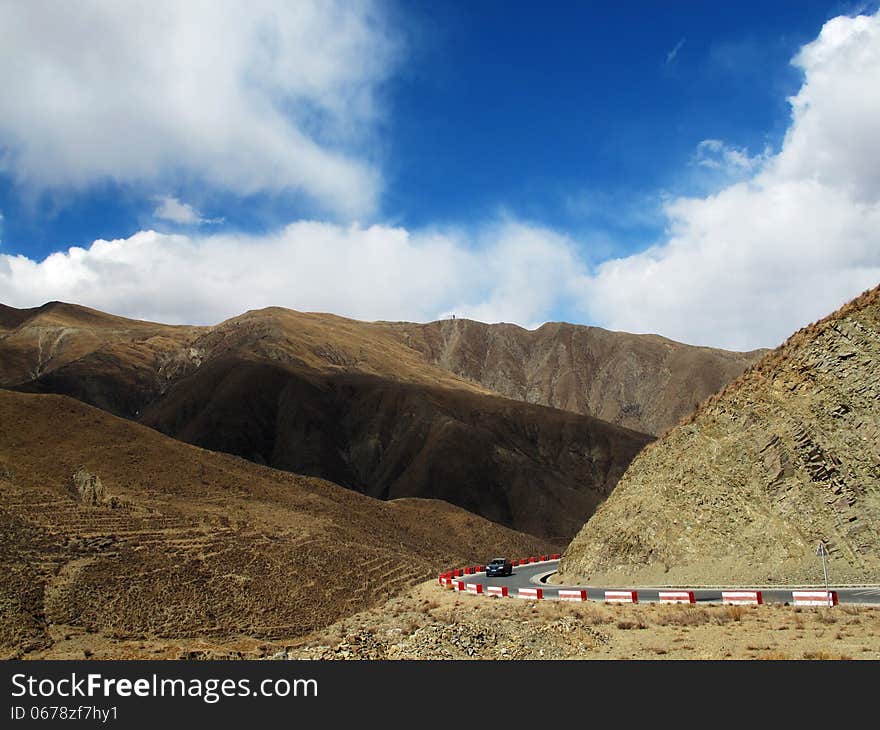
point(529, 576)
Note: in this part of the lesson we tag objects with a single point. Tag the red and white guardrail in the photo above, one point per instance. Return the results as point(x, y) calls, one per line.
point(534, 594)
point(451, 580)
point(621, 596)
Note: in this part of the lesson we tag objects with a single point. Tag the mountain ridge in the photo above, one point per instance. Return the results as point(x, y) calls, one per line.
point(643, 382)
point(334, 398)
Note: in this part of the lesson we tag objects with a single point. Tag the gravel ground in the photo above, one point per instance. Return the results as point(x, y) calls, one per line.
point(432, 623)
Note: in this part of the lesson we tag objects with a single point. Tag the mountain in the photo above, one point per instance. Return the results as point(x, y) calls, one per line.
point(112, 532)
point(343, 400)
point(744, 490)
point(643, 382)
point(115, 363)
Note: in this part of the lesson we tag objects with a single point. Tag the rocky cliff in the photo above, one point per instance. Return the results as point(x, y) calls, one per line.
point(743, 491)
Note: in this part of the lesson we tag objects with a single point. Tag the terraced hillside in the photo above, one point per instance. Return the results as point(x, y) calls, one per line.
point(743, 491)
point(174, 542)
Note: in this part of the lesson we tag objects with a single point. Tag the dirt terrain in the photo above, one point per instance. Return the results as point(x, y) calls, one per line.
point(642, 382)
point(113, 535)
point(743, 490)
point(532, 468)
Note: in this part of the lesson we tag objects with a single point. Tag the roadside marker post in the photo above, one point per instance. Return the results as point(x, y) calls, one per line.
point(814, 598)
point(754, 598)
point(676, 597)
point(821, 550)
point(571, 595)
point(534, 594)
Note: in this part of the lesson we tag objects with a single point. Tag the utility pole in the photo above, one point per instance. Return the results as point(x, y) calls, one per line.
point(820, 550)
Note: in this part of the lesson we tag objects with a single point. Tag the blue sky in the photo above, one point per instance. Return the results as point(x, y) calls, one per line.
point(485, 158)
point(526, 109)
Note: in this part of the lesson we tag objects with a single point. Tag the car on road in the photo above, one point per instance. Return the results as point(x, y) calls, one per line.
point(499, 566)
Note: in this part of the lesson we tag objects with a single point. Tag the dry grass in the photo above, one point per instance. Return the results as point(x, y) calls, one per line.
point(594, 614)
point(825, 656)
point(730, 613)
point(683, 616)
point(774, 656)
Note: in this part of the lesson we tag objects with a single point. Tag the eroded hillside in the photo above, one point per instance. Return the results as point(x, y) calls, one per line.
point(742, 492)
point(643, 382)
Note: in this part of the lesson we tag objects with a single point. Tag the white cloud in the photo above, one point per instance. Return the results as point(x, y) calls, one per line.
point(836, 114)
point(509, 271)
point(793, 241)
point(715, 154)
point(265, 95)
point(172, 209)
point(516, 273)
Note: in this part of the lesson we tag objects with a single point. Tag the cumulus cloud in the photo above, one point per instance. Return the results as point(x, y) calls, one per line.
point(798, 237)
point(509, 271)
point(249, 97)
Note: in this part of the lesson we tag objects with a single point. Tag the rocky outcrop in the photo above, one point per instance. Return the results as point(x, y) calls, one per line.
point(90, 492)
point(88, 488)
point(745, 489)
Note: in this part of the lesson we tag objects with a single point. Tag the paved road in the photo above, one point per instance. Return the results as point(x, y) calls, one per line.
point(528, 576)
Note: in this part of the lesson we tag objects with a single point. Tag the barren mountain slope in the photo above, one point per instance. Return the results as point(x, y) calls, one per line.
point(786, 456)
point(347, 401)
point(175, 541)
point(533, 468)
point(112, 362)
point(123, 365)
point(643, 382)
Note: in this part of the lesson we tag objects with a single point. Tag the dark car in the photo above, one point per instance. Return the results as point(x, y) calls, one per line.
point(499, 566)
